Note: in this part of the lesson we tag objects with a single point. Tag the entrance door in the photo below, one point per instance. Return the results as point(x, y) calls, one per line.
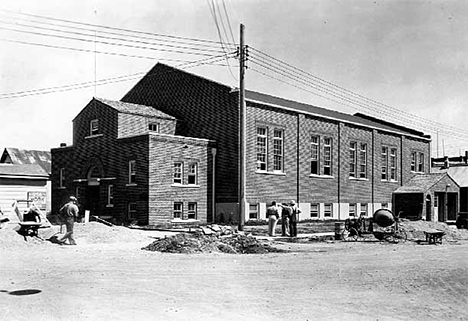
point(452, 207)
point(428, 208)
point(441, 208)
point(92, 199)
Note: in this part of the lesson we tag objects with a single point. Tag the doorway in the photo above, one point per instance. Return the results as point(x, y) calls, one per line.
point(92, 199)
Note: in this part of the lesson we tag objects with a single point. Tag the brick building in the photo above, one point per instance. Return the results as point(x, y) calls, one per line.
point(333, 164)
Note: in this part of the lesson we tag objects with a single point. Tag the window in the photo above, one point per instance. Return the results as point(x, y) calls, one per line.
point(94, 127)
point(178, 210)
point(154, 127)
point(314, 210)
point(78, 192)
point(110, 195)
point(413, 161)
point(278, 150)
point(262, 148)
point(363, 209)
point(384, 163)
point(192, 174)
point(352, 159)
point(352, 209)
point(384, 205)
point(328, 210)
point(327, 156)
point(363, 161)
point(132, 210)
point(421, 163)
point(314, 155)
point(62, 178)
point(192, 211)
point(253, 211)
point(393, 164)
point(177, 174)
point(436, 200)
point(132, 172)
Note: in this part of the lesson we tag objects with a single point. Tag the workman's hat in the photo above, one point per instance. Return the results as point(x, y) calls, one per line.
point(293, 202)
point(73, 199)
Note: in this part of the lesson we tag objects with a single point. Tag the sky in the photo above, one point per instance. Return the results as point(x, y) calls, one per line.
point(402, 61)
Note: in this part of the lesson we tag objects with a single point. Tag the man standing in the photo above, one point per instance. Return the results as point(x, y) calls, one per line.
point(294, 218)
point(69, 212)
point(285, 216)
point(272, 214)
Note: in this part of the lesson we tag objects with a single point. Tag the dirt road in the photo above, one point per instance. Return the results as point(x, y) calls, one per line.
point(318, 281)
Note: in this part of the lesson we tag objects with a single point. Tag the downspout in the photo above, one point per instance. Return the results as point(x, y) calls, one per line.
point(373, 171)
point(213, 185)
point(297, 159)
point(339, 171)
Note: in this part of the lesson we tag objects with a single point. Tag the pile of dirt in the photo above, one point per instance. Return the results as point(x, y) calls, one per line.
point(200, 243)
point(415, 230)
point(98, 233)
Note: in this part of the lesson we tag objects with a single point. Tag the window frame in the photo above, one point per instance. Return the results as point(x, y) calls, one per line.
point(328, 213)
point(315, 161)
point(131, 210)
point(421, 163)
point(178, 175)
point(384, 163)
point(313, 212)
point(262, 148)
point(363, 160)
point(363, 209)
point(192, 212)
point(154, 127)
point(176, 212)
point(352, 209)
point(253, 211)
point(132, 172)
point(393, 165)
point(353, 159)
point(94, 127)
point(278, 150)
point(110, 195)
point(327, 160)
point(192, 174)
point(413, 161)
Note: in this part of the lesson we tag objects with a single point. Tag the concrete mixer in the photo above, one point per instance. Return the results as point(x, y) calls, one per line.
point(389, 227)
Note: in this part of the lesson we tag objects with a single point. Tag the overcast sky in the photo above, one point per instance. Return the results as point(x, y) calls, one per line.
point(409, 57)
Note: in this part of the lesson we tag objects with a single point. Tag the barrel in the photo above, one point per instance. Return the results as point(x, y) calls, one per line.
point(339, 228)
point(383, 217)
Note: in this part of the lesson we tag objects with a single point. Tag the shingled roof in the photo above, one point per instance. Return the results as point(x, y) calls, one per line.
point(134, 109)
point(458, 173)
point(21, 170)
point(421, 183)
point(25, 156)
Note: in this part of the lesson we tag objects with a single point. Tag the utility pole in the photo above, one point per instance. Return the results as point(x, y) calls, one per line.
point(242, 131)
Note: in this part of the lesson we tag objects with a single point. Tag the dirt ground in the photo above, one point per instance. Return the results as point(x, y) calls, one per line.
point(109, 277)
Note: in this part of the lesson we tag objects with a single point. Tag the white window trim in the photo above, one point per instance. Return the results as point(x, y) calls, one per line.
point(131, 173)
point(110, 195)
point(326, 146)
point(62, 178)
point(266, 149)
point(315, 145)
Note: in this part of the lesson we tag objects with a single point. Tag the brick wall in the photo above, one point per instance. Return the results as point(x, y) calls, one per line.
point(133, 125)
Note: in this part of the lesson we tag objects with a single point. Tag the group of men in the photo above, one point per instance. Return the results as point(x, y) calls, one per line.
point(289, 216)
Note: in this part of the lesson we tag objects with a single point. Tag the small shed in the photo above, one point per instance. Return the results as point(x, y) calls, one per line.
point(432, 197)
point(459, 175)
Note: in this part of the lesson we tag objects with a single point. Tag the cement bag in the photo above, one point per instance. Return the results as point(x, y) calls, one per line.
point(383, 217)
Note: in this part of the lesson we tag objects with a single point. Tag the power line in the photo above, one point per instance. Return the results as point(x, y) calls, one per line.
point(111, 28)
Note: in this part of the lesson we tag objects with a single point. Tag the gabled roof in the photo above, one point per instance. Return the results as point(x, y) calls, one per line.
point(22, 170)
point(134, 109)
point(25, 156)
point(458, 173)
point(421, 183)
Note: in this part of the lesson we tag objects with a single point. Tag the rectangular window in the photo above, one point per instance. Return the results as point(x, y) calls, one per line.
point(384, 163)
point(78, 192)
point(363, 161)
point(62, 178)
point(192, 211)
point(178, 210)
point(328, 210)
point(278, 150)
point(192, 174)
point(177, 174)
point(262, 138)
point(132, 172)
point(413, 161)
point(154, 127)
point(110, 195)
point(253, 211)
point(421, 163)
point(363, 209)
point(314, 155)
point(132, 210)
point(314, 210)
point(393, 164)
point(352, 159)
point(327, 156)
point(352, 209)
point(94, 127)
